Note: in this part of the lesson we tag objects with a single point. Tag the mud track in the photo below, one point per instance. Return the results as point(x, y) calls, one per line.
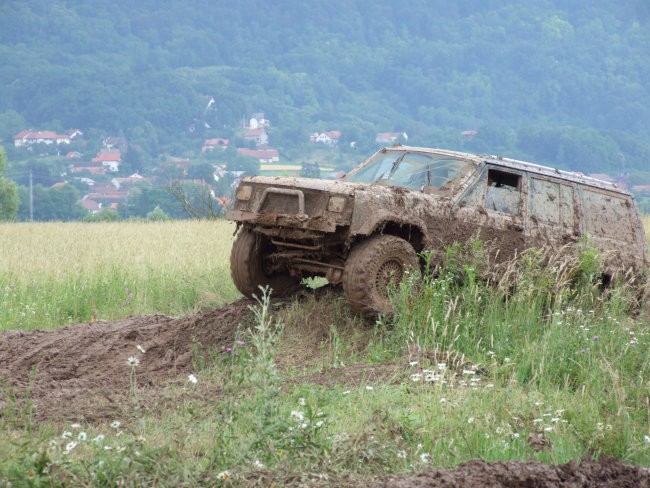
point(81, 371)
point(607, 472)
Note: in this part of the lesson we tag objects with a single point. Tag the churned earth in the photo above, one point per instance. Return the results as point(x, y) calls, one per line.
point(81, 372)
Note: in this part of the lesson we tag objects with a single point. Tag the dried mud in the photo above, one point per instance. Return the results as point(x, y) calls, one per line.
point(607, 472)
point(81, 371)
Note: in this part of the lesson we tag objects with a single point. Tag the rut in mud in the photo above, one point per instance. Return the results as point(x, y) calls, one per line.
point(81, 371)
point(607, 472)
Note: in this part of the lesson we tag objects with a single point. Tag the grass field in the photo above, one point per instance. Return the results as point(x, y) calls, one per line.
point(552, 371)
point(52, 274)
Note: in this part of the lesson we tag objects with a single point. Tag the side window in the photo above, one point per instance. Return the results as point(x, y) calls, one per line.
point(503, 192)
point(544, 201)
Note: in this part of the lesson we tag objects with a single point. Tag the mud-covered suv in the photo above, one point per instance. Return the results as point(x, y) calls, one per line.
point(366, 230)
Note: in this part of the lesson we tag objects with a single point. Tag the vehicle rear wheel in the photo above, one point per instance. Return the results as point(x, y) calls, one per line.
point(250, 271)
point(373, 267)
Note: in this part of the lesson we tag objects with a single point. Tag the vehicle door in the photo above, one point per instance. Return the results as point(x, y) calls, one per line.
point(492, 209)
point(551, 212)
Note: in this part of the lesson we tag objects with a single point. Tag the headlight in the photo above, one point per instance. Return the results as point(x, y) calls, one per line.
point(336, 204)
point(244, 192)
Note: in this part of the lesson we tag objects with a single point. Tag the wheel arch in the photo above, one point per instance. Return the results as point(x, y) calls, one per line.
point(413, 233)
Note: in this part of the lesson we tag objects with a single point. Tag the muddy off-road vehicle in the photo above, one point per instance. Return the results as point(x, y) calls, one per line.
point(366, 230)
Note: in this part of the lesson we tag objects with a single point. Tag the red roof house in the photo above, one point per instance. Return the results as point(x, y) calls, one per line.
point(263, 155)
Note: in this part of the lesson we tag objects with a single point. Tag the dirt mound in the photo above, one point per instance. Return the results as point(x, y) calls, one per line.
point(608, 472)
point(82, 370)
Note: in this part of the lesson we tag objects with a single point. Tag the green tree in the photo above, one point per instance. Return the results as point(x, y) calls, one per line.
point(8, 193)
point(104, 215)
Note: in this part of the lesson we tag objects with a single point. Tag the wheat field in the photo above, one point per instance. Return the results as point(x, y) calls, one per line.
point(52, 274)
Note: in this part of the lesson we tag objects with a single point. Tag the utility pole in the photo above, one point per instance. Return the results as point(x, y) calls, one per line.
point(31, 196)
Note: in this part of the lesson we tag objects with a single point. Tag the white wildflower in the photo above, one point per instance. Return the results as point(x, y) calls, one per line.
point(70, 446)
point(116, 424)
point(537, 421)
point(297, 415)
point(192, 379)
point(319, 423)
point(425, 457)
point(66, 435)
point(443, 400)
point(413, 363)
point(224, 475)
point(515, 435)
point(302, 402)
point(470, 420)
point(368, 387)
point(99, 439)
point(133, 361)
point(646, 438)
point(548, 428)
point(258, 464)
point(415, 377)
point(490, 385)
point(82, 436)
point(346, 392)
point(401, 454)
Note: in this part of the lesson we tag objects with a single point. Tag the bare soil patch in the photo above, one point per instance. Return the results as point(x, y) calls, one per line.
point(607, 472)
point(81, 371)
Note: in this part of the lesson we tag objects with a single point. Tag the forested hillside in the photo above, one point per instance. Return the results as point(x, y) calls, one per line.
point(563, 82)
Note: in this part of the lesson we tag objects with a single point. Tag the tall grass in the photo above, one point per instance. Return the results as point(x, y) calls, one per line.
point(52, 274)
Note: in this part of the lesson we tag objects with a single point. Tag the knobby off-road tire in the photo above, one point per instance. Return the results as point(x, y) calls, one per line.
point(247, 267)
point(372, 268)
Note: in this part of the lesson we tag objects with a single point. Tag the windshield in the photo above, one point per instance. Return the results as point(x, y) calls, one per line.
point(409, 170)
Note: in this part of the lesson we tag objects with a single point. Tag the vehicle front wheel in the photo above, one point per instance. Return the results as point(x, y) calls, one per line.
point(372, 268)
point(250, 270)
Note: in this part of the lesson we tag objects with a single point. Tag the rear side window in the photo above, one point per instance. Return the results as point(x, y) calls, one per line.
point(606, 215)
point(503, 192)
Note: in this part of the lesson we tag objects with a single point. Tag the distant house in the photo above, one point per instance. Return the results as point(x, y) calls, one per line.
point(130, 181)
point(28, 137)
point(258, 136)
point(257, 121)
point(469, 134)
point(91, 205)
point(262, 155)
point(330, 138)
point(115, 144)
point(389, 137)
point(73, 155)
point(94, 168)
point(212, 144)
point(106, 198)
point(110, 160)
